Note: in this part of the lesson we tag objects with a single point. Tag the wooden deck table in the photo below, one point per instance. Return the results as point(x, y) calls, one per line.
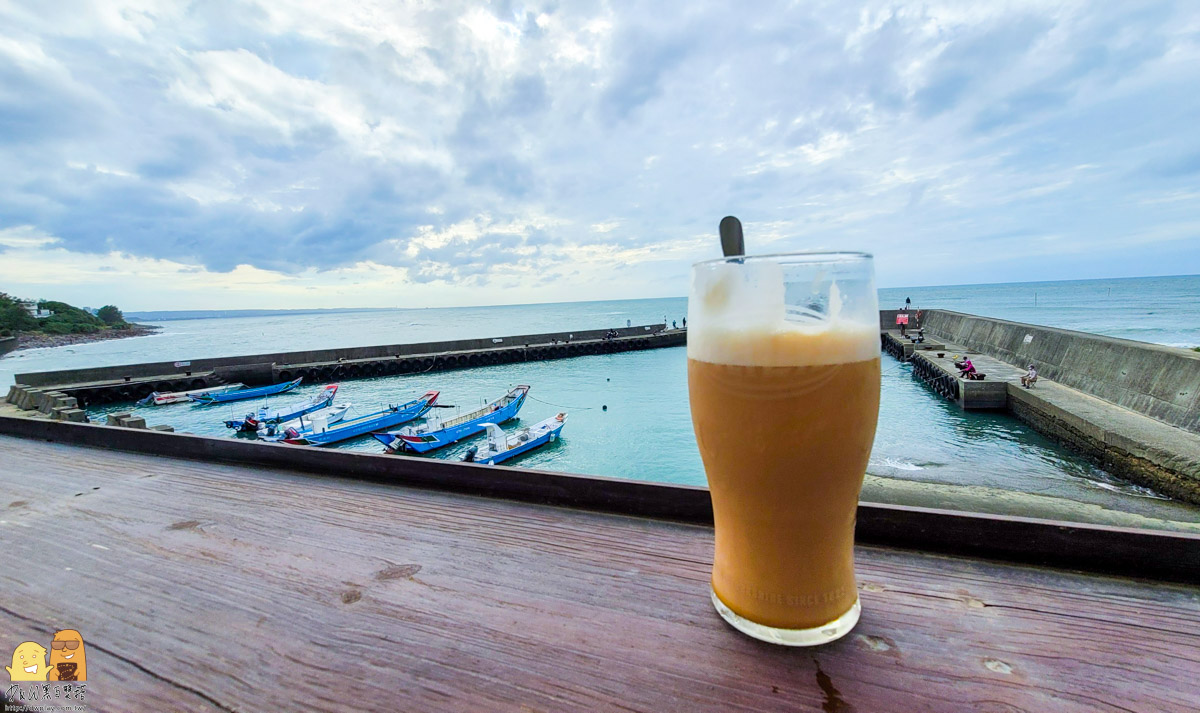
point(200, 586)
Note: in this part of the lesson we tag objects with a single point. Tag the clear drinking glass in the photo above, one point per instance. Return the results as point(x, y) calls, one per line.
point(783, 379)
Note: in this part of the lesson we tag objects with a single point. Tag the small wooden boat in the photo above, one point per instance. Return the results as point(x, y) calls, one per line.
point(436, 432)
point(501, 446)
point(243, 394)
point(160, 398)
point(265, 416)
point(361, 425)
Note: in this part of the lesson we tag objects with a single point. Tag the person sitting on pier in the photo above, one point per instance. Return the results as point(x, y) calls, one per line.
point(967, 370)
point(1029, 378)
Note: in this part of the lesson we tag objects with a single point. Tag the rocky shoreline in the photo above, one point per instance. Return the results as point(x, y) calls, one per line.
point(36, 340)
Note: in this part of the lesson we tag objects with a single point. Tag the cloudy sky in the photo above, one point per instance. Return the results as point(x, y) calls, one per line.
point(296, 153)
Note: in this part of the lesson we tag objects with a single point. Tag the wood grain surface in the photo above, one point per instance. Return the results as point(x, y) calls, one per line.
point(217, 587)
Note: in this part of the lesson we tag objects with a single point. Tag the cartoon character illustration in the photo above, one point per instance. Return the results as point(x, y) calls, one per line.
point(68, 660)
point(29, 663)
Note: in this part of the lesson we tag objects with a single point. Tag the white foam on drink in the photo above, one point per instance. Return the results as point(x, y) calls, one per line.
point(737, 314)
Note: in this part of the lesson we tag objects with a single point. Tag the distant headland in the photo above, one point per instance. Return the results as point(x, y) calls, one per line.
point(31, 324)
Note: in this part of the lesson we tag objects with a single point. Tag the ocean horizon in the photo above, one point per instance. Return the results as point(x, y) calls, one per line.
point(173, 314)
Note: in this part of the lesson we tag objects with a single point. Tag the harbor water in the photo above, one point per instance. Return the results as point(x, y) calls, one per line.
point(645, 431)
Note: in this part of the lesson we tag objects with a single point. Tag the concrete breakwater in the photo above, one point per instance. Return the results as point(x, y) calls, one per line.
point(1160, 382)
point(134, 381)
point(1130, 407)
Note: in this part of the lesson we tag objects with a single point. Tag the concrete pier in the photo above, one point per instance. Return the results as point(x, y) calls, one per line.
point(904, 346)
point(134, 381)
point(1151, 446)
point(1156, 381)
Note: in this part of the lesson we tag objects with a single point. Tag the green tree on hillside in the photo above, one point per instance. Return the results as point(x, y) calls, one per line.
point(68, 320)
point(13, 315)
point(110, 315)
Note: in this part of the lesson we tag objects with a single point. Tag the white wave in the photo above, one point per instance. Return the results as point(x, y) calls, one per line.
point(896, 464)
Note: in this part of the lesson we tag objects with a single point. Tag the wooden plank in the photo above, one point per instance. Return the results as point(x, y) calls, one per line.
point(237, 588)
point(1144, 553)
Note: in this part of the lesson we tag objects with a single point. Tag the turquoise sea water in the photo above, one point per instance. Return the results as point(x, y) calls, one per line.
point(645, 433)
point(1161, 310)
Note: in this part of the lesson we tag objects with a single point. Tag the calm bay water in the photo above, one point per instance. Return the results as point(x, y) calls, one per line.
point(645, 433)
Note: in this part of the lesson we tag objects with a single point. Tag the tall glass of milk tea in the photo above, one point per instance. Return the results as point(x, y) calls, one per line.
point(783, 381)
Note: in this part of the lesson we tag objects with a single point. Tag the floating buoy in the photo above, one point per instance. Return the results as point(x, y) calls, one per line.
point(604, 407)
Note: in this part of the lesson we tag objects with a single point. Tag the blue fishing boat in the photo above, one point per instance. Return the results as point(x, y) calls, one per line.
point(243, 394)
point(436, 432)
point(501, 446)
point(161, 398)
point(265, 416)
point(351, 428)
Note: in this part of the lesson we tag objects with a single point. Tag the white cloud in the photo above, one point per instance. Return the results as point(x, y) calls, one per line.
point(445, 145)
point(25, 236)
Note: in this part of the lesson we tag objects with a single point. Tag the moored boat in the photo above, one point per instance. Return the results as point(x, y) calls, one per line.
point(361, 425)
point(501, 446)
point(266, 416)
point(161, 398)
point(437, 432)
point(319, 420)
point(244, 394)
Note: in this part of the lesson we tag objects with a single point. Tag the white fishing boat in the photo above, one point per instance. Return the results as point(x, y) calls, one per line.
point(173, 397)
point(319, 420)
point(501, 446)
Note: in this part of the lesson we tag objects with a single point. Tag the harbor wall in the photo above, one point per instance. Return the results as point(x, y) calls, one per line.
point(313, 356)
point(1168, 463)
point(1156, 381)
point(887, 318)
point(133, 381)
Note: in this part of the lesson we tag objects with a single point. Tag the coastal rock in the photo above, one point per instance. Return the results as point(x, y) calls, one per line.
point(35, 340)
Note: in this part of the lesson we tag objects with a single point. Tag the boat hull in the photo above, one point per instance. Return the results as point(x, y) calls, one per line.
point(366, 424)
point(540, 434)
point(205, 399)
point(178, 397)
point(253, 422)
point(412, 440)
point(525, 447)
